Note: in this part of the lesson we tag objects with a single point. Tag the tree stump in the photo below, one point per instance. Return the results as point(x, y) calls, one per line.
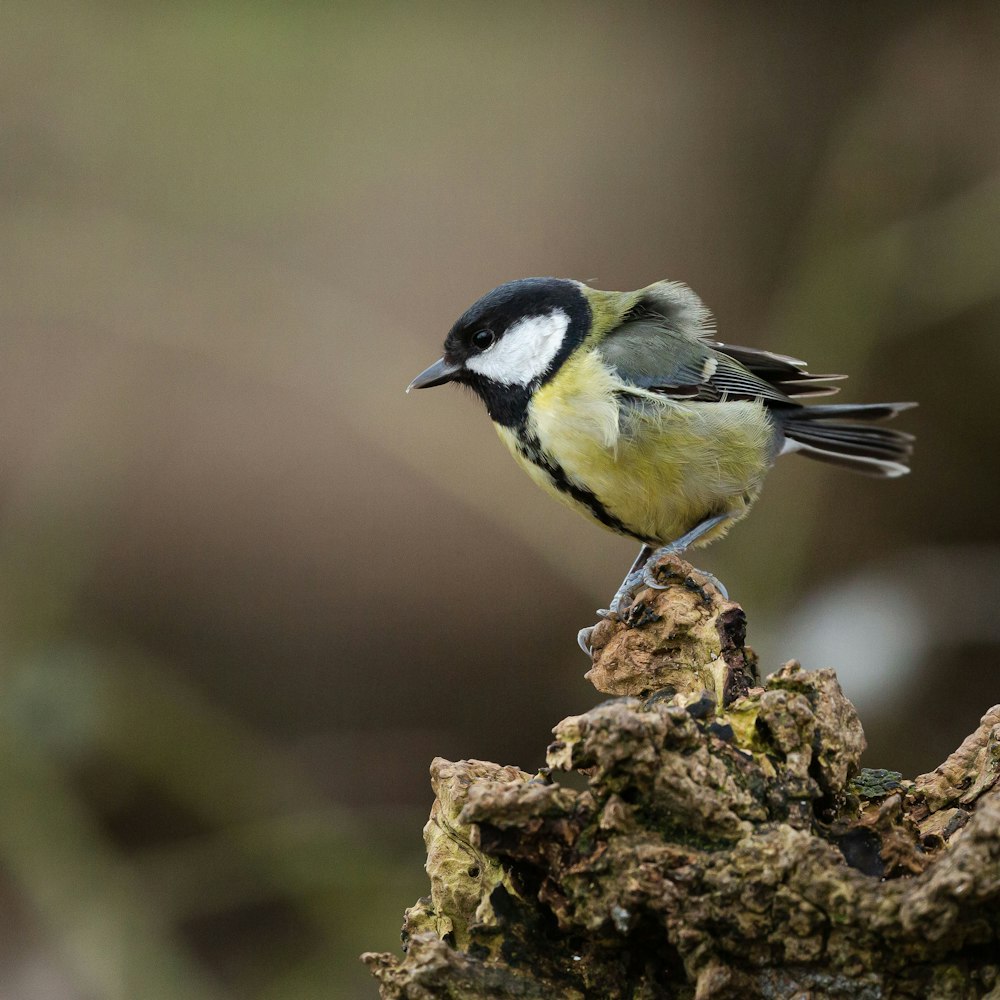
point(726, 843)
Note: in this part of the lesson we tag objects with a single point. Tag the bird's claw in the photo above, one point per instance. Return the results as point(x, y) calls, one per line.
point(715, 582)
point(650, 581)
point(624, 597)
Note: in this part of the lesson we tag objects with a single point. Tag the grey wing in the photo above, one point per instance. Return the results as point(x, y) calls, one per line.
point(662, 346)
point(787, 374)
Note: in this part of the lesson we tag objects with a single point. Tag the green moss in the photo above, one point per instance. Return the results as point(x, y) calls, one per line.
point(876, 783)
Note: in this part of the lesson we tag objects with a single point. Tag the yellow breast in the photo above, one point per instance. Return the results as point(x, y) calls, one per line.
point(656, 466)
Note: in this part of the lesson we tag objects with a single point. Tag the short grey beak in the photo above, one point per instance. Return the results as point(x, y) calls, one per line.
point(438, 373)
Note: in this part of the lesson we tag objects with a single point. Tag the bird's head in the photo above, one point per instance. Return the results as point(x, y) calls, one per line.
point(511, 341)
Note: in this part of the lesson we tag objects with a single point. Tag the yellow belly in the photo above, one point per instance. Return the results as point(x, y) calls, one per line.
point(659, 467)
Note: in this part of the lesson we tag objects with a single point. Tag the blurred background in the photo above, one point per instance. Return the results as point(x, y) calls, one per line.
point(248, 589)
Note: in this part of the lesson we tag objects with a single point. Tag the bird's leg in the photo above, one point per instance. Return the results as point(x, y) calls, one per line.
point(677, 547)
point(641, 573)
point(629, 585)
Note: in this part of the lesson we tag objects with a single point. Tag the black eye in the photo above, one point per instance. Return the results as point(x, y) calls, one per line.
point(482, 339)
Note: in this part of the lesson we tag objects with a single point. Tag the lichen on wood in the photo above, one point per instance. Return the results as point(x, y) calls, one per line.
point(726, 843)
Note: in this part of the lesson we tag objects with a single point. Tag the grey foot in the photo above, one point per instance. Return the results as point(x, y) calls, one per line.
point(717, 583)
point(676, 547)
point(625, 593)
point(650, 581)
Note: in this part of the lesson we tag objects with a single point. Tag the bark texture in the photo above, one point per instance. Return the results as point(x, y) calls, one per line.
point(723, 843)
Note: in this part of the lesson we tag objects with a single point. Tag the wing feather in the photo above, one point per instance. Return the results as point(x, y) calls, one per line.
point(663, 346)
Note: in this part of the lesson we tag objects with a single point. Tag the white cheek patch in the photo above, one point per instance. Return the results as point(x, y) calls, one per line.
point(524, 352)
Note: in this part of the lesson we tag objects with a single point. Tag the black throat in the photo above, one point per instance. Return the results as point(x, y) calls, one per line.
point(507, 405)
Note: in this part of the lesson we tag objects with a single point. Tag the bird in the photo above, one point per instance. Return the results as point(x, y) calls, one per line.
point(625, 407)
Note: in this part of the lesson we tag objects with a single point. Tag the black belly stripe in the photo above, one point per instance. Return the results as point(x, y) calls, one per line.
point(531, 448)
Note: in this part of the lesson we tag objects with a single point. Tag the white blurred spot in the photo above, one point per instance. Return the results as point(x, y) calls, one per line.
point(876, 628)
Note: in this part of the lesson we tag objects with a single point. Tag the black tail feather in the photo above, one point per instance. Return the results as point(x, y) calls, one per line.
point(852, 411)
point(823, 433)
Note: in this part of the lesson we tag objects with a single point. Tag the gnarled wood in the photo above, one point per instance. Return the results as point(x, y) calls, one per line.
point(726, 844)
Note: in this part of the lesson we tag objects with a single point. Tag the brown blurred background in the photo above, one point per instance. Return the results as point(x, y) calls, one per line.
point(248, 588)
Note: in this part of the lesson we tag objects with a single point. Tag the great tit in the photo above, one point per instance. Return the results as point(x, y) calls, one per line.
point(624, 406)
